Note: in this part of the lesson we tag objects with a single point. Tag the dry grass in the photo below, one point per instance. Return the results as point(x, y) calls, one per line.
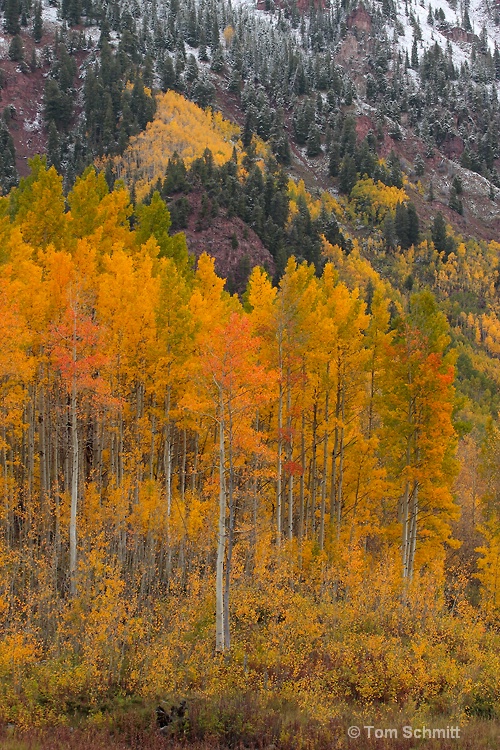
point(478, 735)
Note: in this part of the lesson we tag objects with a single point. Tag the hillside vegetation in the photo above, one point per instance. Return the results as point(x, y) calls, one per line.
point(249, 374)
point(245, 502)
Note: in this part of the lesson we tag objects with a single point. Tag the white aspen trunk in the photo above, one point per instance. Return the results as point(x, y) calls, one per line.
point(341, 465)
point(405, 510)
point(413, 532)
point(221, 539)
point(279, 467)
point(303, 473)
point(183, 464)
point(372, 398)
point(312, 478)
point(120, 451)
point(42, 444)
point(153, 439)
point(290, 458)
point(57, 530)
point(139, 438)
point(333, 475)
point(323, 478)
point(253, 538)
point(10, 524)
point(113, 461)
point(230, 537)
point(74, 490)
point(167, 459)
point(405, 519)
point(100, 431)
point(194, 472)
point(31, 441)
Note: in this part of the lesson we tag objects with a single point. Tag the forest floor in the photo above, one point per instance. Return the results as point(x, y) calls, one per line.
point(476, 735)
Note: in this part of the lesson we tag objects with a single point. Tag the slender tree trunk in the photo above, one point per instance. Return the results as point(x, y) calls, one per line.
point(341, 465)
point(183, 464)
point(290, 457)
point(325, 471)
point(407, 497)
point(413, 531)
point(230, 536)
point(167, 460)
point(312, 478)
point(42, 445)
point(57, 525)
point(333, 474)
point(74, 490)
point(221, 538)
point(279, 467)
point(194, 472)
point(405, 516)
point(302, 481)
point(153, 439)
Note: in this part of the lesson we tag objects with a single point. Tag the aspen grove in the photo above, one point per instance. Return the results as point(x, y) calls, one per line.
point(185, 472)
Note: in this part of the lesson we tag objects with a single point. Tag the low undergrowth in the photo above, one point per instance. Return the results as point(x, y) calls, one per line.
point(303, 668)
point(477, 735)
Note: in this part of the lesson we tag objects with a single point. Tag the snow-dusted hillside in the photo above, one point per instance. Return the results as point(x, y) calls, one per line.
point(286, 71)
point(448, 24)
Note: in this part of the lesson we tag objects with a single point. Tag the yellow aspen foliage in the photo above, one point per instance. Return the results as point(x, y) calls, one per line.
point(489, 565)
point(373, 200)
point(179, 127)
point(39, 207)
point(326, 202)
point(181, 469)
point(85, 200)
point(228, 35)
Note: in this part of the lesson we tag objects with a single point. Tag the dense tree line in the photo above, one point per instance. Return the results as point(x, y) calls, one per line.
point(128, 380)
point(281, 67)
point(260, 199)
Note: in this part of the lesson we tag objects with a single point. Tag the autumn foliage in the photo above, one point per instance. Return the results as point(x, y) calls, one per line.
point(180, 127)
point(183, 472)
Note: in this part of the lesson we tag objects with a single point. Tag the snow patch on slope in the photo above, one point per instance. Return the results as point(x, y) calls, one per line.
point(50, 16)
point(481, 15)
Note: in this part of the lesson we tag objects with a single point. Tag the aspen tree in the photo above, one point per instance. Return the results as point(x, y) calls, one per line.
point(210, 308)
point(418, 434)
point(75, 353)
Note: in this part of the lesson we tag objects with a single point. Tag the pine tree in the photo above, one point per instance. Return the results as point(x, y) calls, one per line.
point(396, 174)
point(401, 226)
point(217, 63)
point(38, 23)
point(279, 142)
point(413, 225)
point(455, 203)
point(419, 165)
point(348, 175)
point(466, 21)
point(8, 171)
point(168, 74)
point(439, 234)
point(314, 141)
point(12, 13)
point(57, 105)
point(334, 160)
point(16, 49)
point(53, 147)
point(414, 54)
point(389, 232)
